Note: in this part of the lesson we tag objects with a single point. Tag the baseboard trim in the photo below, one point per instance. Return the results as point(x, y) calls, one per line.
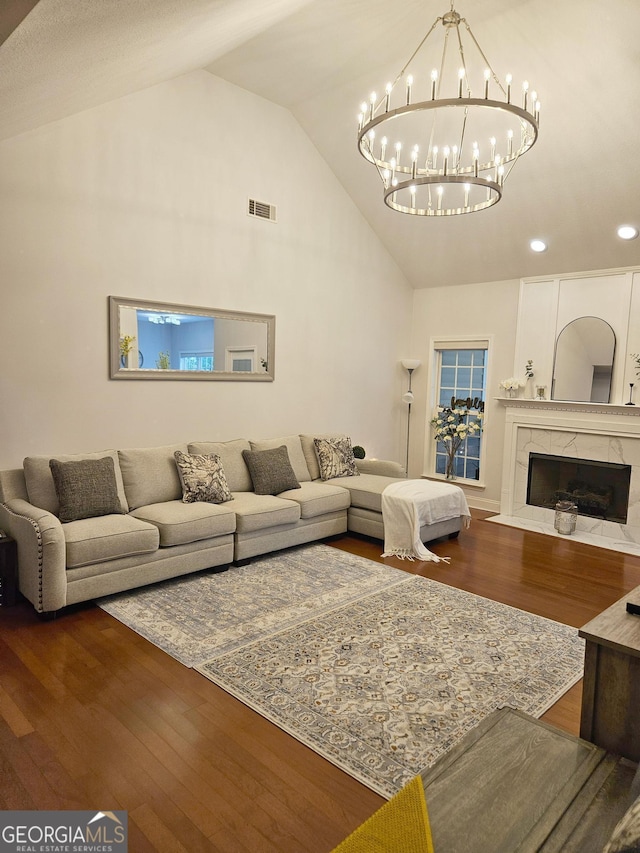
point(476, 502)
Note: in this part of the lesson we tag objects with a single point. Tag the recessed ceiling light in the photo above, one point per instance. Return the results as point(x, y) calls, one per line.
point(538, 246)
point(627, 232)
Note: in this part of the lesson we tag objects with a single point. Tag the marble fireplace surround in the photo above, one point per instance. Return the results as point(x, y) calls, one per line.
point(599, 432)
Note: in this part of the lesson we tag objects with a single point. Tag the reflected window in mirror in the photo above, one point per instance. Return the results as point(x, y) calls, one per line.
point(196, 361)
point(583, 362)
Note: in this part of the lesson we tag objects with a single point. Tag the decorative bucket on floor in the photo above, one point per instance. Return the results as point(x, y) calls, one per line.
point(566, 517)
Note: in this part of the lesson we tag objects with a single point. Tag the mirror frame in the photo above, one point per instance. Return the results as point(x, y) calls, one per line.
point(552, 395)
point(116, 371)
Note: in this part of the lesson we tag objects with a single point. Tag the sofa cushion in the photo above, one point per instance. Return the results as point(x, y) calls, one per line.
point(309, 450)
point(39, 480)
point(294, 449)
point(385, 467)
point(366, 490)
point(150, 474)
point(179, 523)
point(335, 458)
point(318, 498)
point(97, 540)
point(86, 488)
point(257, 512)
point(202, 477)
point(271, 471)
point(230, 453)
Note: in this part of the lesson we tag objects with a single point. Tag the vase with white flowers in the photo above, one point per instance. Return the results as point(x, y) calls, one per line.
point(453, 424)
point(511, 386)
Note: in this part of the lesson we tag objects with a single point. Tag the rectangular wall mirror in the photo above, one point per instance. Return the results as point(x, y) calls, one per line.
point(159, 340)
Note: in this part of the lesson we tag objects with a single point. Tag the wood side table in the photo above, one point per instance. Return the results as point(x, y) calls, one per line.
point(516, 783)
point(611, 689)
point(8, 571)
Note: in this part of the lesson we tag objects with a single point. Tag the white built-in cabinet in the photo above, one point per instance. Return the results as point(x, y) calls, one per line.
point(547, 305)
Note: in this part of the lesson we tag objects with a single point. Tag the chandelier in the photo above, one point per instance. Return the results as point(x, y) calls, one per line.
point(443, 140)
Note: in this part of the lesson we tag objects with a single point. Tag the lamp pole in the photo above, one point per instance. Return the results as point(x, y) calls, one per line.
point(409, 364)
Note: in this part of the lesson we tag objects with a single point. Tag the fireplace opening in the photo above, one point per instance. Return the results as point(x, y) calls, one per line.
point(599, 489)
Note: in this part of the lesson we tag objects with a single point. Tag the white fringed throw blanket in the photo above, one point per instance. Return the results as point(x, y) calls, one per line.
point(409, 504)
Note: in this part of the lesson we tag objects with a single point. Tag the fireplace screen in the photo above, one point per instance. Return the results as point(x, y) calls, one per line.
point(599, 489)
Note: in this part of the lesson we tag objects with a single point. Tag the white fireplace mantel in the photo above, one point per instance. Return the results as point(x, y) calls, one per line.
point(595, 431)
point(570, 406)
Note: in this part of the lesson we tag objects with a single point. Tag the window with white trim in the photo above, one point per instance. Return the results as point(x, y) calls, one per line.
point(461, 371)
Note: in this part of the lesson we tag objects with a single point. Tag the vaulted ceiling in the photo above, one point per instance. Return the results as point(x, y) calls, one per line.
point(321, 58)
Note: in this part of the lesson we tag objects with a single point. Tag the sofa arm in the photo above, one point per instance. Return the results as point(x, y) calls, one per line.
point(41, 553)
point(383, 467)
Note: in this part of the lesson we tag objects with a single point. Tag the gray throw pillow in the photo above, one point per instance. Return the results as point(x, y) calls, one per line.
point(86, 488)
point(202, 477)
point(271, 471)
point(335, 458)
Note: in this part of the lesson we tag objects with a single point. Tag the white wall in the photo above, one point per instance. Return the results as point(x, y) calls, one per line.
point(146, 197)
point(476, 311)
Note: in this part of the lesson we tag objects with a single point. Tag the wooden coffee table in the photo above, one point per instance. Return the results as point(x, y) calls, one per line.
point(611, 690)
point(515, 783)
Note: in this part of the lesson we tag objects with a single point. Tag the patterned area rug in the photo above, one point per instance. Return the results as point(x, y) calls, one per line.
point(198, 616)
point(379, 671)
point(385, 685)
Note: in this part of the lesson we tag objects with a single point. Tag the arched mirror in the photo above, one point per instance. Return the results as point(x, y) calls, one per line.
point(583, 362)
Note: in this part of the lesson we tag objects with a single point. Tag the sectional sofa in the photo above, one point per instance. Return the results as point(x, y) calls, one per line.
point(143, 531)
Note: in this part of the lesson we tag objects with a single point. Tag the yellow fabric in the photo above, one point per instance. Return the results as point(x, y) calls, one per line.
point(399, 826)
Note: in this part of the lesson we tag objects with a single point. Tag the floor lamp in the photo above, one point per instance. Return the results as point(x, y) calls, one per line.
point(409, 364)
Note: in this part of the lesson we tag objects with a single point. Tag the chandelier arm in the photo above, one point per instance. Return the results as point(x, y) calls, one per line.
point(511, 164)
point(381, 172)
point(379, 168)
point(494, 76)
point(461, 52)
point(466, 77)
point(445, 43)
point(416, 51)
point(462, 132)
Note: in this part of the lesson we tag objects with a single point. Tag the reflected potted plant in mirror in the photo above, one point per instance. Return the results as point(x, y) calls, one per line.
point(453, 425)
point(126, 345)
point(163, 362)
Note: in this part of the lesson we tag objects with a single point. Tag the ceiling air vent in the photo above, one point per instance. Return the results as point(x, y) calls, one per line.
point(262, 210)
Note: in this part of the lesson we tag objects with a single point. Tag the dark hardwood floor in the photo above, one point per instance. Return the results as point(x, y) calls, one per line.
point(92, 716)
